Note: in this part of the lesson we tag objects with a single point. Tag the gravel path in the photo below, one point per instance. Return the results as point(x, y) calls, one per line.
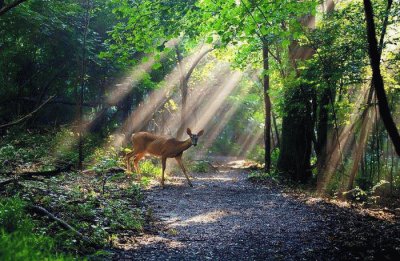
point(226, 217)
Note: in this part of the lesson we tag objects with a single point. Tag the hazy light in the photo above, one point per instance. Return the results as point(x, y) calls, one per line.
point(344, 141)
point(155, 100)
point(215, 102)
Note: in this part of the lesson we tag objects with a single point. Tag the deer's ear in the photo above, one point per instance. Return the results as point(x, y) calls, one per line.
point(200, 133)
point(188, 131)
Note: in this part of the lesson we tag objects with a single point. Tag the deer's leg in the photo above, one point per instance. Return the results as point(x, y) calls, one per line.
point(179, 160)
point(128, 157)
point(164, 164)
point(136, 160)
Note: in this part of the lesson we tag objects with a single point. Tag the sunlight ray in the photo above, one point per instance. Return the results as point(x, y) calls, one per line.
point(344, 141)
point(254, 140)
point(144, 112)
point(197, 96)
point(209, 109)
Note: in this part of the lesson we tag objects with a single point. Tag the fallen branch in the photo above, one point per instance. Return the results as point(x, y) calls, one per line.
point(28, 175)
point(61, 101)
point(43, 211)
point(27, 116)
point(6, 8)
point(6, 182)
point(45, 174)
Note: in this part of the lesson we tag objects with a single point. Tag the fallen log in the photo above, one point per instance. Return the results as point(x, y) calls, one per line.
point(29, 175)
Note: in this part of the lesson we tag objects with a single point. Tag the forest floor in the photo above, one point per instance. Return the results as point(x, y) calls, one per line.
point(227, 217)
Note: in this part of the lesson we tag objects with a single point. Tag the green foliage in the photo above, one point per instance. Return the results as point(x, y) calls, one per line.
point(150, 169)
point(257, 154)
point(261, 176)
point(18, 240)
point(200, 166)
point(121, 216)
point(12, 214)
point(23, 148)
point(104, 159)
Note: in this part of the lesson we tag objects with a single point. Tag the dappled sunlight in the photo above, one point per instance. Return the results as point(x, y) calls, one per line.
point(153, 240)
point(204, 218)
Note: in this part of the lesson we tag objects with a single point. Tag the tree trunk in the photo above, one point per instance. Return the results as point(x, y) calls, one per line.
point(82, 85)
point(366, 122)
point(297, 124)
point(322, 129)
point(267, 104)
point(184, 89)
point(377, 78)
point(297, 130)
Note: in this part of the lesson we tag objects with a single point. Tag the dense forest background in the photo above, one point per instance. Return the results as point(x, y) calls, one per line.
point(287, 84)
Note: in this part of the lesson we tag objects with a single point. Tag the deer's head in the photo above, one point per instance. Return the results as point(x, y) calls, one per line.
point(194, 137)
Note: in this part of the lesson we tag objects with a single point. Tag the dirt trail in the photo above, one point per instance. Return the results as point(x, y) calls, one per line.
point(226, 217)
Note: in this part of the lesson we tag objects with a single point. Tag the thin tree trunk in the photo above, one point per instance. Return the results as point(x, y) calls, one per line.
point(276, 129)
point(267, 104)
point(384, 109)
point(82, 83)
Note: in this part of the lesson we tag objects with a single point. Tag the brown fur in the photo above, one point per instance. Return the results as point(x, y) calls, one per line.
point(160, 146)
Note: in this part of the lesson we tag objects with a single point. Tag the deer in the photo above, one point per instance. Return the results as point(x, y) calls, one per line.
point(160, 146)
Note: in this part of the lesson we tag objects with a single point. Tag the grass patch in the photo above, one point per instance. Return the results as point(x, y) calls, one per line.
point(261, 176)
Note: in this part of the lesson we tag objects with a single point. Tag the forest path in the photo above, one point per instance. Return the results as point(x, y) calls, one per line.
point(226, 217)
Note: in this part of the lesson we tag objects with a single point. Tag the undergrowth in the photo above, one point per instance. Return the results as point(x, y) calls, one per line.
point(19, 238)
point(102, 205)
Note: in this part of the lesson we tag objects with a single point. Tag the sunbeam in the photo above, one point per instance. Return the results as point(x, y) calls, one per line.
point(344, 140)
point(154, 101)
point(209, 109)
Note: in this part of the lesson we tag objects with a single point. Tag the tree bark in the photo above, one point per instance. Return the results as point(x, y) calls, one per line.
point(267, 104)
point(297, 130)
point(322, 128)
point(377, 80)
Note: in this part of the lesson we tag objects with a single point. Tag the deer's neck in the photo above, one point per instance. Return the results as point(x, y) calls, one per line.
point(185, 145)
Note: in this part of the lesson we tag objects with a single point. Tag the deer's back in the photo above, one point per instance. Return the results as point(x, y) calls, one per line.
point(148, 142)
